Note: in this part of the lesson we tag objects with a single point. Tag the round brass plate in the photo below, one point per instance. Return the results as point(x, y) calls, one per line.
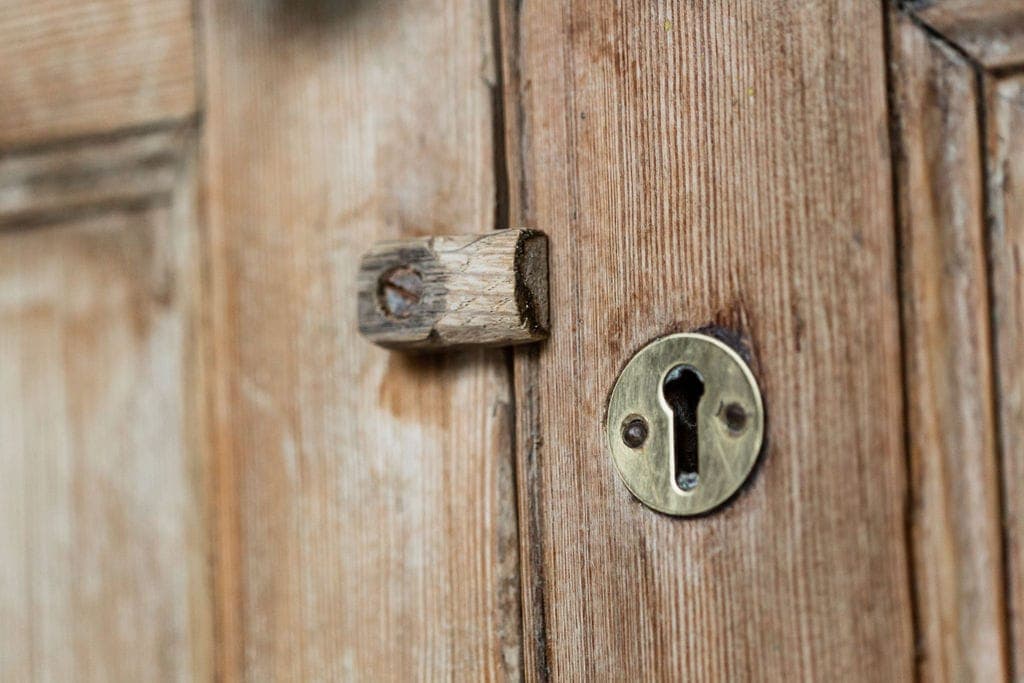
point(730, 424)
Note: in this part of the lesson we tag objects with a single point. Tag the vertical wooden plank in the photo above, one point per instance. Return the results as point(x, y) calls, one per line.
point(102, 528)
point(368, 517)
point(727, 163)
point(1006, 249)
point(952, 438)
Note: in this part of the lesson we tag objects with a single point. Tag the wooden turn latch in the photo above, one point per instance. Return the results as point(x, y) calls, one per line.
point(447, 292)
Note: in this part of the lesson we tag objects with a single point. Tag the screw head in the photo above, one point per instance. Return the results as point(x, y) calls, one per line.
point(735, 417)
point(399, 290)
point(634, 432)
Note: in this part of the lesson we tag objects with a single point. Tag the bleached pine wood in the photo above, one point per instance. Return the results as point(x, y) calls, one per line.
point(90, 176)
point(103, 545)
point(955, 515)
point(695, 163)
point(991, 31)
point(1006, 249)
point(367, 527)
point(450, 292)
point(81, 67)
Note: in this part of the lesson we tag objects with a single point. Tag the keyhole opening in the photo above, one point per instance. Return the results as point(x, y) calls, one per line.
point(682, 389)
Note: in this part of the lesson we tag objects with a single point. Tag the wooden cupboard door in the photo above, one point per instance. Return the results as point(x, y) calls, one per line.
point(206, 473)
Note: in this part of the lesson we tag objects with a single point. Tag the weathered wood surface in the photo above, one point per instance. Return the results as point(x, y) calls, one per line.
point(368, 515)
point(1006, 249)
point(80, 67)
point(990, 31)
point(955, 513)
point(92, 176)
point(695, 163)
point(103, 545)
point(448, 292)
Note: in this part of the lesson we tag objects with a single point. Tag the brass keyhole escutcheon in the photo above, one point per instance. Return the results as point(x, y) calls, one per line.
point(685, 424)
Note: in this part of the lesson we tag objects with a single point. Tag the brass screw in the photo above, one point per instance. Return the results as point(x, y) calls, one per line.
point(634, 432)
point(735, 417)
point(399, 291)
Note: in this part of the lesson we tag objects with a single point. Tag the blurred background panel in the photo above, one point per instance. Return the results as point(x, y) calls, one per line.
point(82, 67)
point(103, 544)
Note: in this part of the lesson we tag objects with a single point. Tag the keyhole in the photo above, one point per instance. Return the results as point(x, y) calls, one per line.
point(682, 389)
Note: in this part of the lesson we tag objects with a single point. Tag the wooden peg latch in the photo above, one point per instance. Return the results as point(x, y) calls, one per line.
point(447, 292)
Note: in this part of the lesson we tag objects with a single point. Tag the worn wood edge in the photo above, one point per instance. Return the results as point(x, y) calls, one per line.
point(528, 442)
point(951, 535)
point(991, 32)
point(218, 342)
point(531, 268)
point(1005, 144)
point(126, 170)
point(485, 290)
point(186, 218)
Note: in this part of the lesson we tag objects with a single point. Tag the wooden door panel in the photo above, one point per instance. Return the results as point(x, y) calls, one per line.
point(368, 518)
point(720, 164)
point(955, 516)
point(956, 109)
point(103, 568)
point(102, 522)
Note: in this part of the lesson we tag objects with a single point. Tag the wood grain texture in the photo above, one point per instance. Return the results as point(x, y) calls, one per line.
point(952, 436)
point(728, 163)
point(447, 292)
point(93, 176)
point(1006, 255)
point(991, 31)
point(367, 526)
point(93, 66)
point(103, 545)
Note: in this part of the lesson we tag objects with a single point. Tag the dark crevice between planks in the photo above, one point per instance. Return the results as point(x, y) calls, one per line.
point(997, 73)
point(500, 156)
point(528, 452)
point(896, 152)
point(1015, 660)
point(510, 210)
point(503, 220)
point(981, 103)
point(980, 73)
